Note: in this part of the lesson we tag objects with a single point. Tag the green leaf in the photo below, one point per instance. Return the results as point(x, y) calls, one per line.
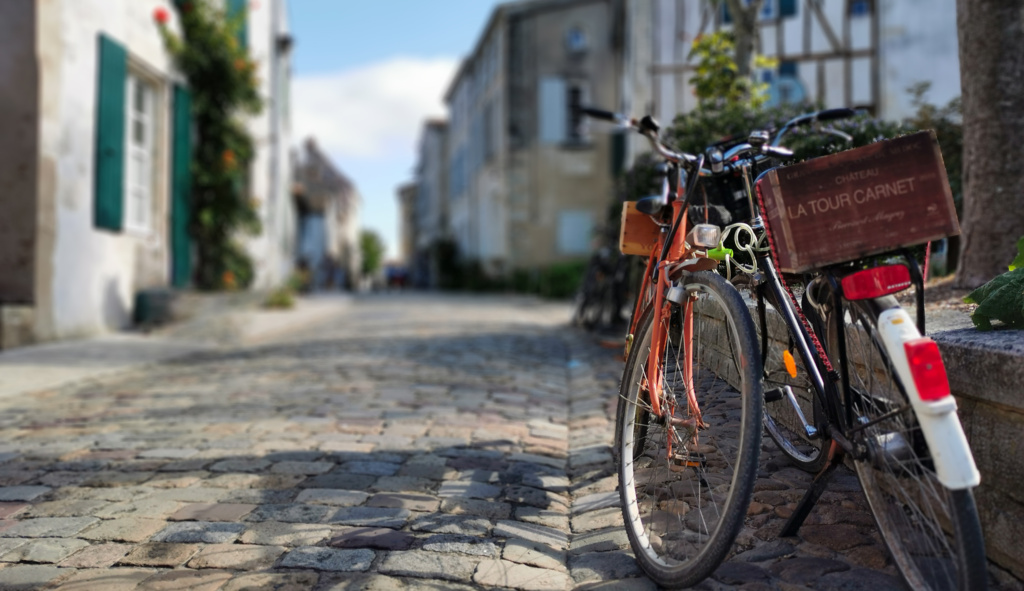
point(1018, 262)
point(1000, 299)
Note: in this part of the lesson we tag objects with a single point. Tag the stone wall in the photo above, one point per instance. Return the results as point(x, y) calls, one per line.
point(986, 375)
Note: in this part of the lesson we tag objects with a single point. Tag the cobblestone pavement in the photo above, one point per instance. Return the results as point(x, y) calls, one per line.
point(418, 442)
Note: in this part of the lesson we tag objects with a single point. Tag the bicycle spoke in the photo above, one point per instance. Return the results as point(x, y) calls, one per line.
point(686, 476)
point(917, 516)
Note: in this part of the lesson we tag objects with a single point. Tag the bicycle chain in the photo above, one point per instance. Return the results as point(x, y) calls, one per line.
point(799, 310)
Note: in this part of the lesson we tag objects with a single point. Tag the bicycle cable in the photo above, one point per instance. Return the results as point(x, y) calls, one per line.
point(799, 311)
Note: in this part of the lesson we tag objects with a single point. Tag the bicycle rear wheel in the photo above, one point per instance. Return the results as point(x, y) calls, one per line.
point(685, 490)
point(932, 532)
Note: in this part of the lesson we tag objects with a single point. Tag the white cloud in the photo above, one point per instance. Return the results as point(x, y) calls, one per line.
point(367, 111)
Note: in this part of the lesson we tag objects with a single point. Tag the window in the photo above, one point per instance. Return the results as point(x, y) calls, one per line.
point(575, 232)
point(139, 152)
point(552, 110)
point(125, 171)
point(770, 9)
point(576, 40)
point(860, 7)
point(559, 116)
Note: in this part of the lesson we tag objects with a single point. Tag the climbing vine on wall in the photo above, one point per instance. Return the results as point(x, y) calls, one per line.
point(222, 81)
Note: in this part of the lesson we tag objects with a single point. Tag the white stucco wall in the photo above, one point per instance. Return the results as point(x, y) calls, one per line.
point(273, 251)
point(918, 43)
point(86, 278)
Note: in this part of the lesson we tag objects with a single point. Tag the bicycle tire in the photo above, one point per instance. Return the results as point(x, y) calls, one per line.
point(933, 533)
point(683, 511)
point(587, 297)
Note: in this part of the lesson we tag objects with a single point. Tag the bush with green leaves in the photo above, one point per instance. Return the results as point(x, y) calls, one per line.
point(1002, 298)
point(371, 245)
point(222, 79)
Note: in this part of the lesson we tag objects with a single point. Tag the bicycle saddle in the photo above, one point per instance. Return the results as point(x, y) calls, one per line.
point(652, 205)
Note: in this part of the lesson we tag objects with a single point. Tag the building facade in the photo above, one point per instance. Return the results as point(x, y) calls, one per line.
point(270, 42)
point(841, 53)
point(328, 221)
point(95, 160)
point(528, 181)
point(431, 210)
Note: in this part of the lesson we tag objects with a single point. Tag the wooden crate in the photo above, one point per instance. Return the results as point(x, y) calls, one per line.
point(638, 234)
point(864, 201)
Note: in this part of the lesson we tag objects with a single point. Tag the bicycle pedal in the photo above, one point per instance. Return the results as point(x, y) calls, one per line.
point(774, 395)
point(690, 459)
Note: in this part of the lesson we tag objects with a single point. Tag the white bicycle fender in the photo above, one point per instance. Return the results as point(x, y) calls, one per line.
point(954, 464)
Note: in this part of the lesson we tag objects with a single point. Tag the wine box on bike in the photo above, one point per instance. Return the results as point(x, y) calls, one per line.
point(869, 200)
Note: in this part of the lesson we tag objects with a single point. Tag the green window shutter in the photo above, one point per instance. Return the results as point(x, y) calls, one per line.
point(238, 9)
point(181, 187)
point(110, 115)
point(787, 8)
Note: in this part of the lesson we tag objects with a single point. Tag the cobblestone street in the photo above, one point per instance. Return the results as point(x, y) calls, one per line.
point(413, 442)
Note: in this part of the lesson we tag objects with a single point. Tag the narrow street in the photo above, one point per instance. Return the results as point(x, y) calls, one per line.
point(413, 442)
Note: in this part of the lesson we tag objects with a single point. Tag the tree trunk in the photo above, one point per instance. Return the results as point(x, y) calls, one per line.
point(744, 29)
point(991, 35)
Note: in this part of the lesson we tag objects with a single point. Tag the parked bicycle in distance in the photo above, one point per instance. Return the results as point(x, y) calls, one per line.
point(721, 341)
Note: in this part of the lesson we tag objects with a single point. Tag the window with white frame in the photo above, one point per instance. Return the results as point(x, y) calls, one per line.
point(140, 126)
point(575, 232)
point(559, 117)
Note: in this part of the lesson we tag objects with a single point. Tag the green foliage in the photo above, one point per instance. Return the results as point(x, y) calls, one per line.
point(281, 298)
point(372, 247)
point(222, 81)
point(811, 142)
point(1002, 298)
point(556, 281)
point(238, 268)
point(717, 81)
point(947, 122)
point(561, 280)
point(444, 253)
point(1018, 261)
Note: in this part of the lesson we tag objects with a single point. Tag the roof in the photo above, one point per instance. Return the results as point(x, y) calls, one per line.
point(317, 180)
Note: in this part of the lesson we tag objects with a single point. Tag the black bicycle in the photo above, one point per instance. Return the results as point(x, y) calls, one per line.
point(845, 374)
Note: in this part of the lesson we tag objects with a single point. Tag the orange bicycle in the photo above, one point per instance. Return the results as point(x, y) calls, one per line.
point(688, 429)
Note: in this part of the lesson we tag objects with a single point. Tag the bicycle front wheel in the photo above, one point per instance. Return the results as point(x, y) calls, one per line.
point(685, 486)
point(932, 532)
point(782, 370)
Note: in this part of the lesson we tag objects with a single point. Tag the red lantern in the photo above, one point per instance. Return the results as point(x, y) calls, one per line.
point(161, 16)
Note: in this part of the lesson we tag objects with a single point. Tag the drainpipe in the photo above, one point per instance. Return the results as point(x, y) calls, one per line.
point(275, 173)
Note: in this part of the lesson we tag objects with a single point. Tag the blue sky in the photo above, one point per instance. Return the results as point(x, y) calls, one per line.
point(366, 74)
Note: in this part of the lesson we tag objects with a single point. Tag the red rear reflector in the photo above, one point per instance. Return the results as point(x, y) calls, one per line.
point(876, 282)
point(927, 369)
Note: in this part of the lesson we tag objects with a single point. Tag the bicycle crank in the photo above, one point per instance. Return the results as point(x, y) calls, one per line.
point(776, 394)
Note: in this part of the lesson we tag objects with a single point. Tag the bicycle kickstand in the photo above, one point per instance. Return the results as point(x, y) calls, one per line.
point(818, 486)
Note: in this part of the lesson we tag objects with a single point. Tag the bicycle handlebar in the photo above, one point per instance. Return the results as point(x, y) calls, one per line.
point(737, 155)
point(818, 116)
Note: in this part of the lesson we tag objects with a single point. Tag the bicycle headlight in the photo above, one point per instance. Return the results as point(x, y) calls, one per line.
point(705, 235)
